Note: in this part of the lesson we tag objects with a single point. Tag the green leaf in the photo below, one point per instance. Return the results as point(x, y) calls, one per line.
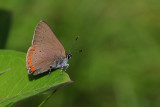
point(16, 84)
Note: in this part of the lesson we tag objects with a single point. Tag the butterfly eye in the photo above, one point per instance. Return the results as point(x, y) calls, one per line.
point(69, 56)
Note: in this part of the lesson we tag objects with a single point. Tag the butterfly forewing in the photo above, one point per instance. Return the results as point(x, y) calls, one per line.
point(44, 35)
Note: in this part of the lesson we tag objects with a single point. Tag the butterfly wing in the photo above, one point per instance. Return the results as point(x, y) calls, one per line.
point(45, 50)
point(44, 35)
point(40, 58)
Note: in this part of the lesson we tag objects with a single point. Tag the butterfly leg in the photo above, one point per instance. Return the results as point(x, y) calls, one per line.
point(50, 70)
point(61, 70)
point(66, 66)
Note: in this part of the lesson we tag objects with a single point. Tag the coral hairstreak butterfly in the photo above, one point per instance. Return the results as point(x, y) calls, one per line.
point(46, 51)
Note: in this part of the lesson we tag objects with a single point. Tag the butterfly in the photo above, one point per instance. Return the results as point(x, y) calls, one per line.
point(46, 52)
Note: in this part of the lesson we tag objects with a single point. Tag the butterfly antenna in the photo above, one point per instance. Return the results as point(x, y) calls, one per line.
point(73, 44)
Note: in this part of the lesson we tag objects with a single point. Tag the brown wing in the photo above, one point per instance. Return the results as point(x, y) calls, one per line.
point(44, 51)
point(44, 35)
point(40, 58)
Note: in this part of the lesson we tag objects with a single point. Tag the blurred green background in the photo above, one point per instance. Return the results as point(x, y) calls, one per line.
point(121, 40)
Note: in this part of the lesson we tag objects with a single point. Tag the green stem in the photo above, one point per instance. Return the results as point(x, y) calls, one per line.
point(45, 100)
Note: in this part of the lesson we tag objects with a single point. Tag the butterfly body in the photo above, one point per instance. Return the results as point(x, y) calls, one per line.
point(46, 51)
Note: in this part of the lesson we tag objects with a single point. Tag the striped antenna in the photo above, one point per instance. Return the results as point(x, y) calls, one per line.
point(73, 44)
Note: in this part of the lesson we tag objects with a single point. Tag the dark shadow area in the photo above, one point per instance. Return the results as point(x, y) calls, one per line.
point(34, 77)
point(5, 23)
point(33, 101)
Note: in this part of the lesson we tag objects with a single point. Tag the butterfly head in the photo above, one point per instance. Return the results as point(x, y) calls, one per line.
point(68, 55)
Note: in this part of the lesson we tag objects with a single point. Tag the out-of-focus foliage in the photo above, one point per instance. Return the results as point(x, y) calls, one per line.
point(120, 63)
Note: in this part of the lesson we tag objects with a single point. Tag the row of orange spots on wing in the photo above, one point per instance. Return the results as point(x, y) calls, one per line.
point(29, 59)
point(31, 70)
point(32, 49)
